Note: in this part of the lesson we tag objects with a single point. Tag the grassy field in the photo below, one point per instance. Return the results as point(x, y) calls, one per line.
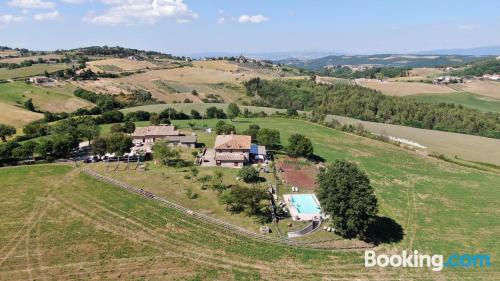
point(17, 116)
point(119, 65)
point(176, 84)
point(469, 147)
point(36, 69)
point(57, 98)
point(59, 224)
point(484, 88)
point(20, 59)
point(483, 103)
point(405, 88)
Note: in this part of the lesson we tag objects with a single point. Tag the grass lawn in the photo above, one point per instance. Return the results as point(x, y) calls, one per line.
point(441, 207)
point(58, 98)
point(483, 103)
point(63, 225)
point(36, 69)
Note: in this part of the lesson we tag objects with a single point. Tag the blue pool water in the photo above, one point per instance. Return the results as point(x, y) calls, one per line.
point(306, 204)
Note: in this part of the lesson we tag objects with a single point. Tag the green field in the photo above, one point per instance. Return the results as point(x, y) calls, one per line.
point(63, 225)
point(57, 98)
point(36, 69)
point(483, 103)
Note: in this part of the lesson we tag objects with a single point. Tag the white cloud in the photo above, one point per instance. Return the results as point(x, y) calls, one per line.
point(31, 4)
point(7, 19)
point(221, 20)
point(252, 19)
point(73, 1)
point(468, 26)
point(142, 11)
point(54, 15)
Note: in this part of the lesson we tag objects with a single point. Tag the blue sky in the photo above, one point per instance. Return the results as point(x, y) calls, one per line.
point(193, 26)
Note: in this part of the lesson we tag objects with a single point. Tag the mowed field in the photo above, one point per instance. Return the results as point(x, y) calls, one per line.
point(36, 69)
point(405, 88)
point(118, 65)
point(482, 103)
point(59, 224)
point(55, 98)
point(484, 88)
point(20, 59)
point(468, 147)
point(17, 116)
point(177, 84)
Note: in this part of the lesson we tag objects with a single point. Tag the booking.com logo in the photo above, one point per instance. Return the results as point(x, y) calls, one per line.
point(436, 262)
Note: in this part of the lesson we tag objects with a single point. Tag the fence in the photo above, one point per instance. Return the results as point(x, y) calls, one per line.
point(216, 222)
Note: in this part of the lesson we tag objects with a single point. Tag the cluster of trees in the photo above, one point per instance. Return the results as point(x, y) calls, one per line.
point(60, 140)
point(123, 52)
point(369, 105)
point(370, 73)
point(479, 68)
point(346, 195)
point(117, 142)
point(110, 102)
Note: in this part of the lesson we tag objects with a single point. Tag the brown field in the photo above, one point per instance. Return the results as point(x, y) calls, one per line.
point(8, 53)
point(217, 65)
point(17, 116)
point(421, 73)
point(298, 174)
point(123, 64)
point(468, 147)
point(20, 59)
point(483, 88)
point(405, 88)
point(176, 84)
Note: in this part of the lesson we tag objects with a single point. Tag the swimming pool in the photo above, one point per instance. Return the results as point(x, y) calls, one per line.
point(306, 204)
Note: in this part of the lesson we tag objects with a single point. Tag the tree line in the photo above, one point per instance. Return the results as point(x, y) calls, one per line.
point(369, 105)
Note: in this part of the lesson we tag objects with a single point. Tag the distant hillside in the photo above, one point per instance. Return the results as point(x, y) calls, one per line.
point(479, 68)
point(382, 60)
point(479, 51)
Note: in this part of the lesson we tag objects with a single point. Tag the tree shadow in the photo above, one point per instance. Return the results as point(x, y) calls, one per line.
point(316, 158)
point(386, 230)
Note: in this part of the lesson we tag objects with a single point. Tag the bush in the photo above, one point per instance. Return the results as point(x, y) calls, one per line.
point(299, 146)
point(248, 174)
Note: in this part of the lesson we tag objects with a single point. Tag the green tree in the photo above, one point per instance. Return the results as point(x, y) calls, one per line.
point(248, 174)
point(226, 198)
point(224, 128)
point(204, 180)
point(6, 131)
point(119, 143)
point(28, 104)
point(252, 131)
point(44, 148)
point(269, 137)
point(195, 114)
point(194, 172)
point(25, 151)
point(116, 128)
point(99, 146)
point(346, 195)
point(89, 129)
point(233, 111)
point(129, 127)
point(163, 152)
point(154, 119)
point(299, 146)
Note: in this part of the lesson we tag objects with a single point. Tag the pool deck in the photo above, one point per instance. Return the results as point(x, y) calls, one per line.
point(295, 214)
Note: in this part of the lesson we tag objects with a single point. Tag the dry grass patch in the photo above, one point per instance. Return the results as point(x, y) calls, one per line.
point(405, 88)
point(483, 88)
point(119, 64)
point(20, 59)
point(16, 116)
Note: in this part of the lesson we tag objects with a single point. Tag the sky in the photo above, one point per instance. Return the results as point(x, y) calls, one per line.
point(251, 26)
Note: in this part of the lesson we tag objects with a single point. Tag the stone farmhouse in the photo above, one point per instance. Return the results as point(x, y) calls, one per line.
point(146, 136)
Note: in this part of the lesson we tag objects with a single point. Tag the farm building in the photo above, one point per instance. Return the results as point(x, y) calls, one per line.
point(148, 135)
point(40, 80)
point(232, 150)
